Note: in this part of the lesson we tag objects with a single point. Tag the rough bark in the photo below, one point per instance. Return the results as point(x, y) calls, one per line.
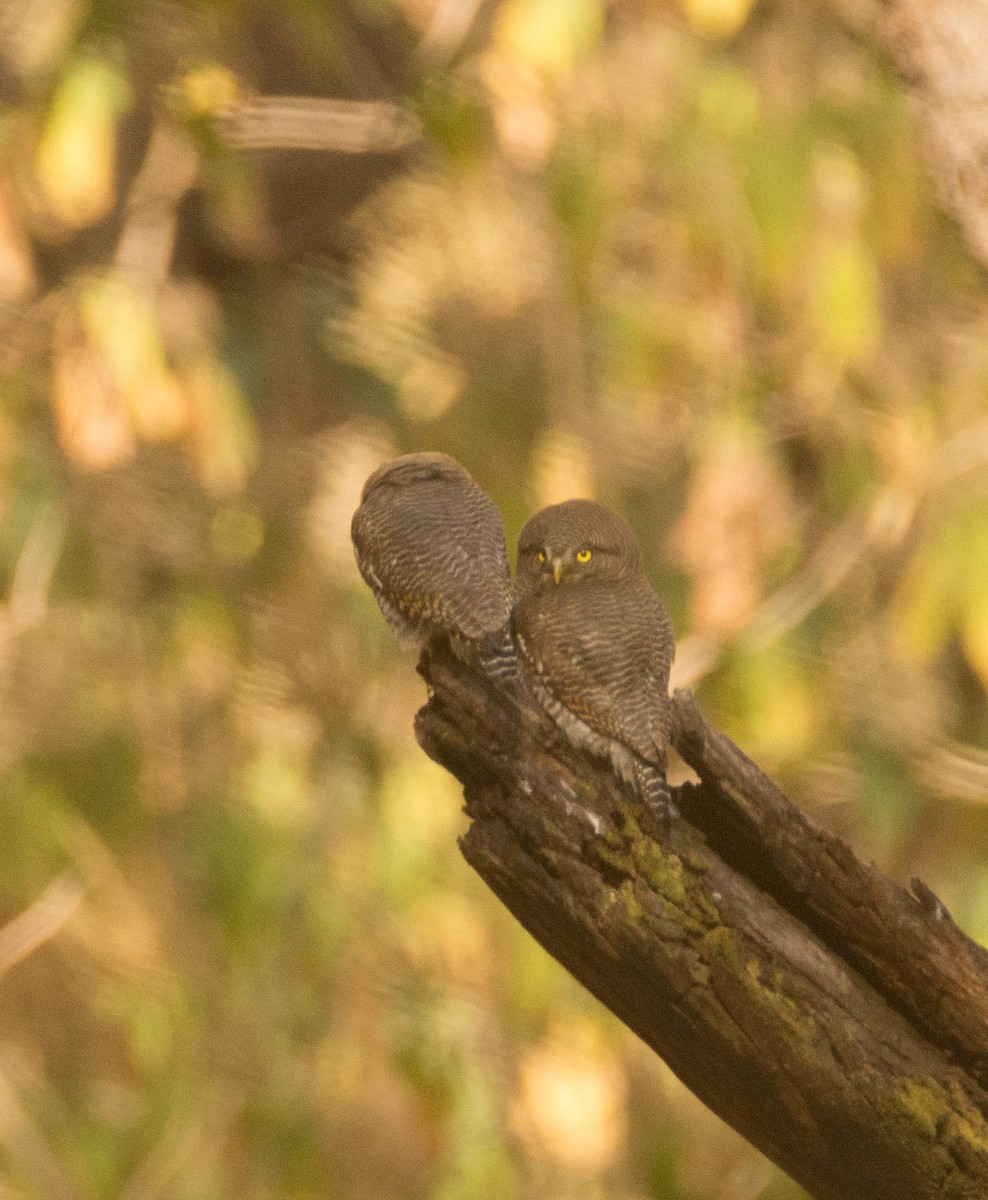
point(747, 947)
point(905, 944)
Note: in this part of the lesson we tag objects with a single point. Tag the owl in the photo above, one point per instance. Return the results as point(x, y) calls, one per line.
point(430, 544)
point(595, 641)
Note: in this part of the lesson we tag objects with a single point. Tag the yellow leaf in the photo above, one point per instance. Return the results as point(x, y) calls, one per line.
point(781, 710)
point(945, 591)
point(223, 442)
point(548, 36)
point(728, 101)
point(972, 587)
point(717, 18)
point(923, 612)
point(92, 426)
point(207, 89)
point(236, 533)
point(121, 324)
point(845, 302)
point(974, 633)
point(76, 157)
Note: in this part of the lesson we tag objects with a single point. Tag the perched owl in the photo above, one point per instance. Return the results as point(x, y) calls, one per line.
point(430, 544)
point(594, 639)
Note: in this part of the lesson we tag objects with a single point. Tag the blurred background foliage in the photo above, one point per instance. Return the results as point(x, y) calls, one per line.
point(681, 256)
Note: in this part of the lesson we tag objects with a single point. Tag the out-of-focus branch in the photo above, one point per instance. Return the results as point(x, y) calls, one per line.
point(883, 524)
point(791, 987)
point(35, 568)
point(310, 123)
point(169, 170)
point(20, 1138)
point(39, 923)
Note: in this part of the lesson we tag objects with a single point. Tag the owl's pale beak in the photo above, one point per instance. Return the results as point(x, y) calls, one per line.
point(557, 570)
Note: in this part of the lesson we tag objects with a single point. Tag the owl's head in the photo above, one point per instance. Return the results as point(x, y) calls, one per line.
point(578, 540)
point(426, 467)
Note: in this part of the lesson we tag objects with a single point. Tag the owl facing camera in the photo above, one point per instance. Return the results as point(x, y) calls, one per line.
point(595, 641)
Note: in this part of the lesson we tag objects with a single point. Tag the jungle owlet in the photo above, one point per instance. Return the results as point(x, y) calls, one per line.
point(595, 640)
point(430, 544)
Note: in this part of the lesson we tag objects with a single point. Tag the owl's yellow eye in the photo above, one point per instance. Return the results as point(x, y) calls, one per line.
point(584, 556)
point(541, 556)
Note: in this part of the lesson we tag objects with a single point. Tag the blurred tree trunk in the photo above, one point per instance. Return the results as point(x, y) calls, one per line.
point(834, 1019)
point(940, 48)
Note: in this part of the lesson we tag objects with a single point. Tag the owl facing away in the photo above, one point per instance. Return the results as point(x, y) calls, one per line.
point(430, 544)
point(595, 641)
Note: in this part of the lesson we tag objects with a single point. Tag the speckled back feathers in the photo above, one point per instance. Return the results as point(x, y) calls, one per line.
point(430, 544)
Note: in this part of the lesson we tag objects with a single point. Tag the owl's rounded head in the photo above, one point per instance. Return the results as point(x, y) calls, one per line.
point(577, 540)
point(424, 467)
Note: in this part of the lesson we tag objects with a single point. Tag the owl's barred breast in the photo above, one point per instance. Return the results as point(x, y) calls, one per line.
point(604, 654)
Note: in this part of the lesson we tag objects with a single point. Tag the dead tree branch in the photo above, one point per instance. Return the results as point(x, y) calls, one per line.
point(813, 1004)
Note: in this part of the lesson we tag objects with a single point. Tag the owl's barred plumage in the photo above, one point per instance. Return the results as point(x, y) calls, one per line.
point(430, 544)
point(595, 640)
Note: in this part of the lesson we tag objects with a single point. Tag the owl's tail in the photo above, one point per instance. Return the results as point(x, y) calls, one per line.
point(498, 655)
point(653, 791)
point(495, 654)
